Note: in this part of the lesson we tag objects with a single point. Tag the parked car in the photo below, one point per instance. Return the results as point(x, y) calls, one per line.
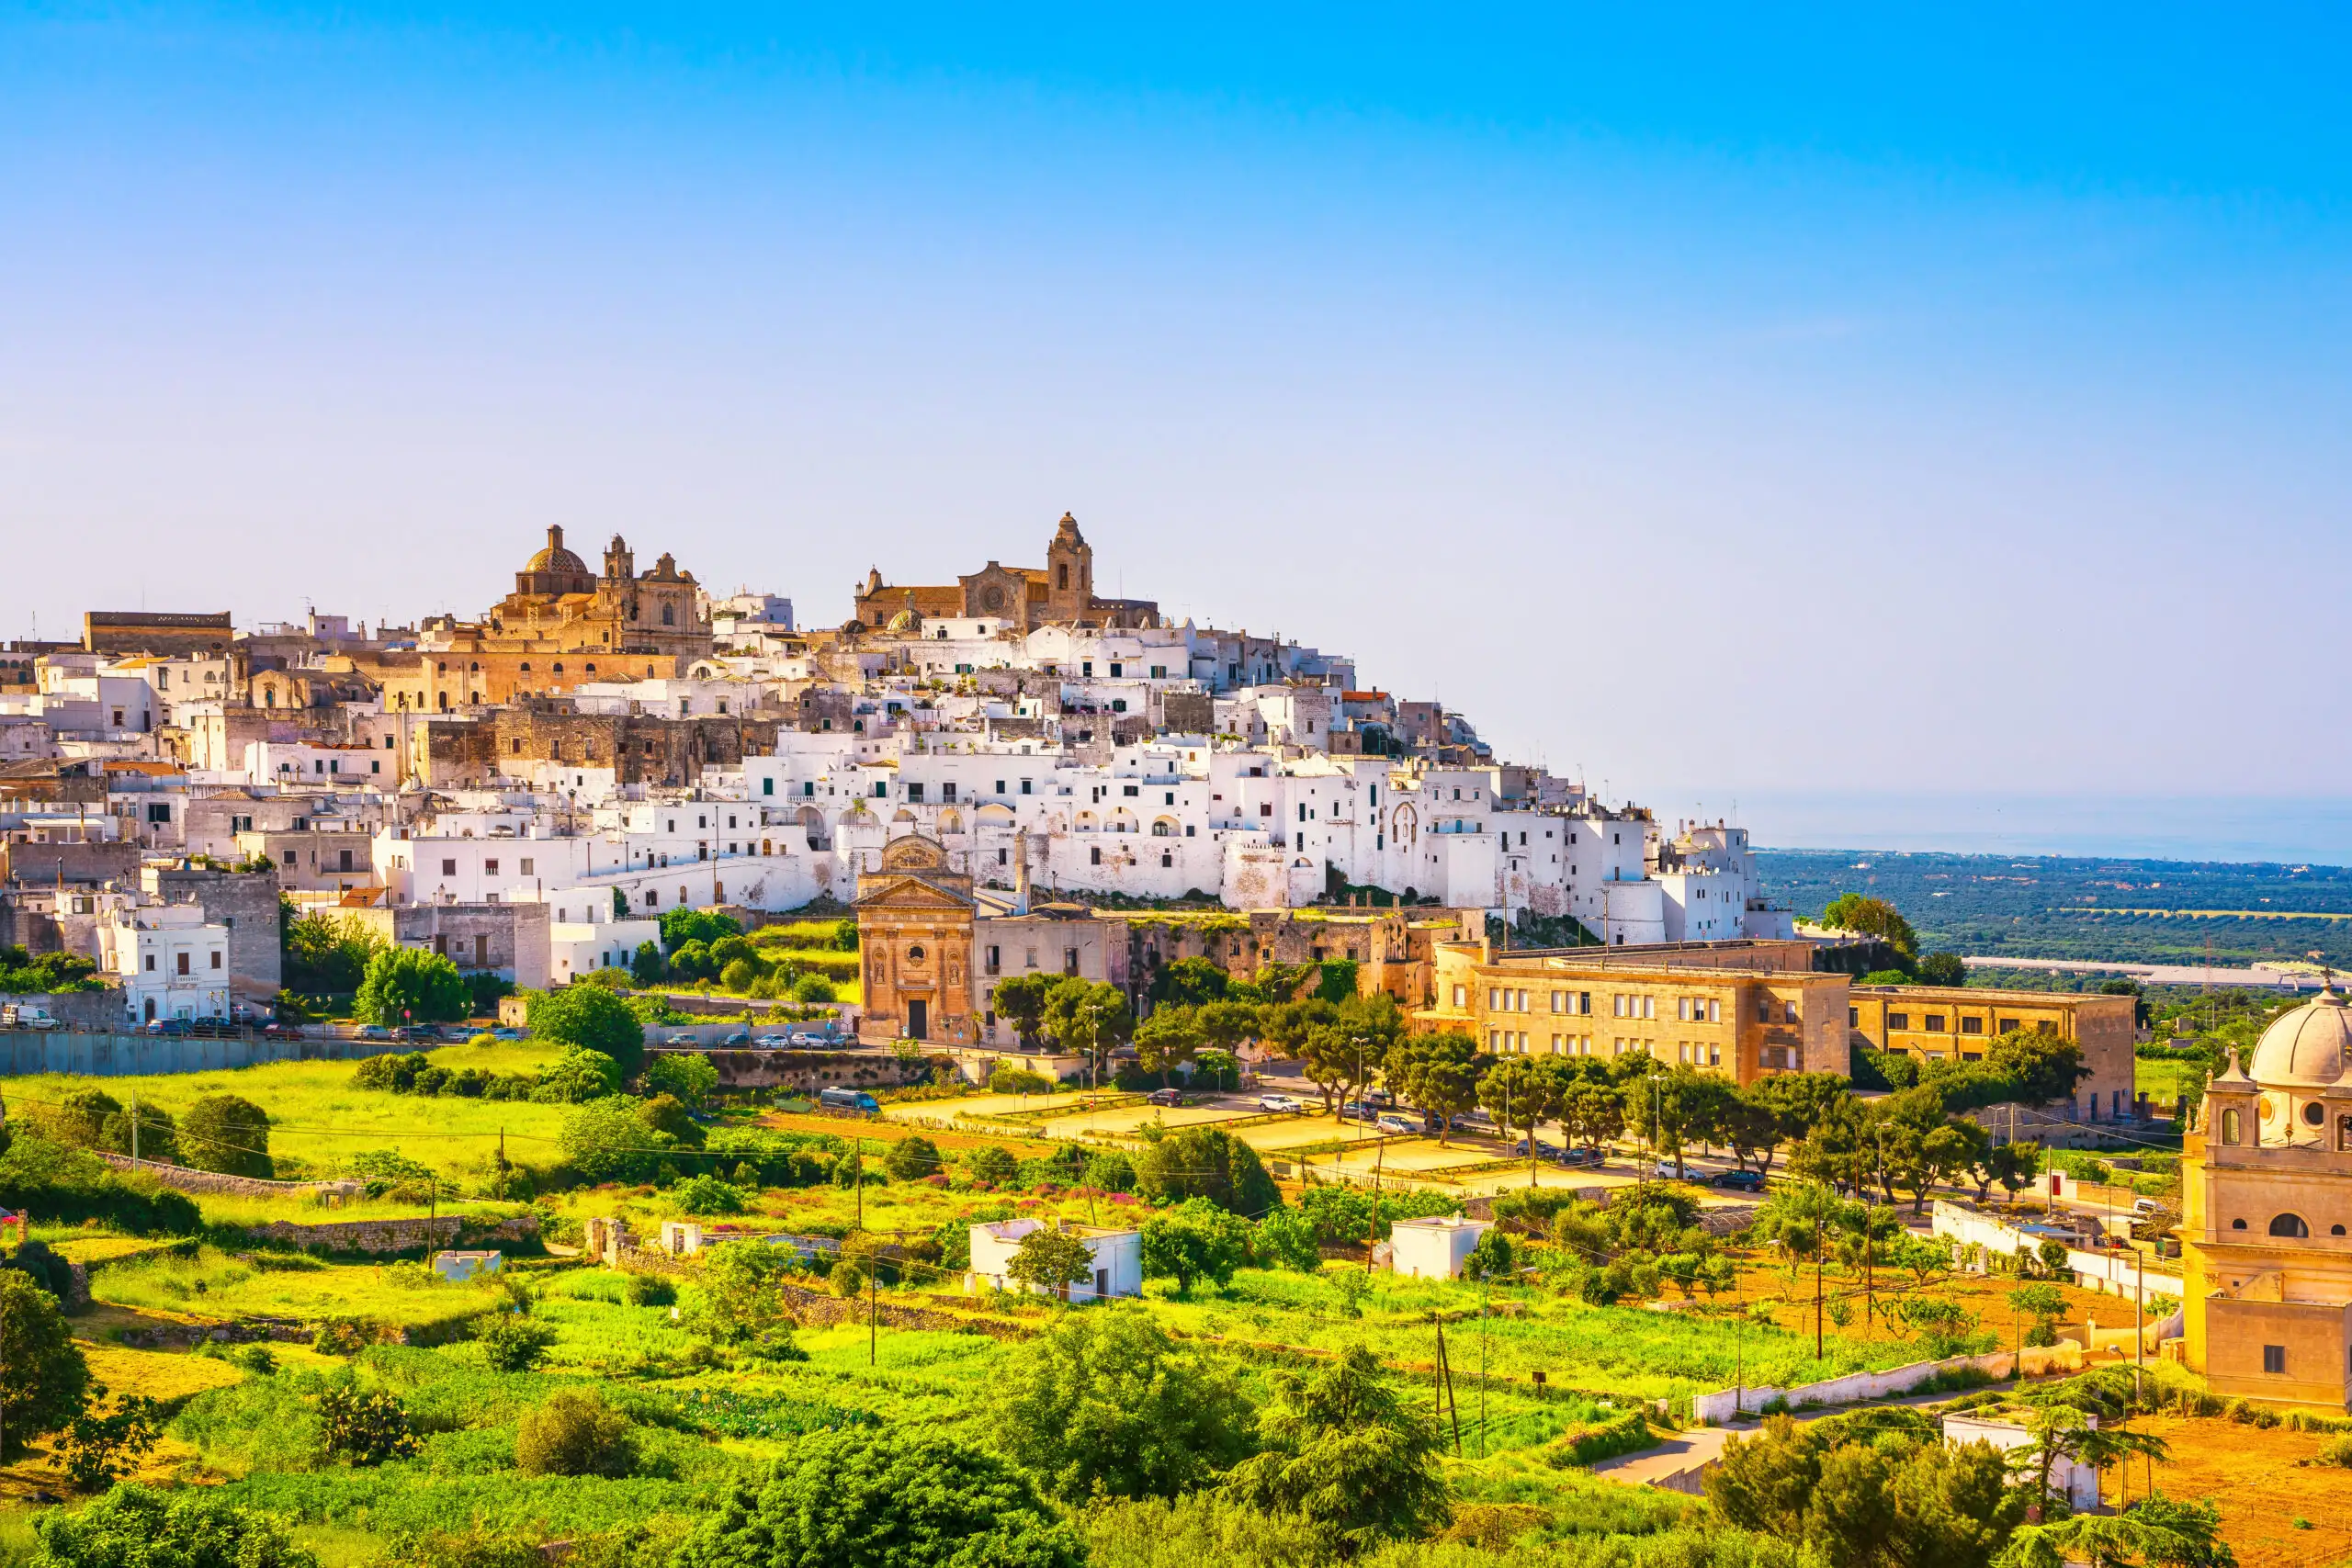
point(1543, 1150)
point(506, 1034)
point(281, 1031)
point(1474, 1122)
point(1354, 1110)
point(1581, 1157)
point(27, 1016)
point(1379, 1098)
point(686, 1041)
point(740, 1038)
point(773, 1042)
point(1394, 1121)
point(1664, 1170)
point(1165, 1097)
point(215, 1028)
point(374, 1031)
point(848, 1100)
point(1289, 1102)
point(2139, 1205)
point(805, 1039)
point(421, 1034)
point(1741, 1180)
point(166, 1026)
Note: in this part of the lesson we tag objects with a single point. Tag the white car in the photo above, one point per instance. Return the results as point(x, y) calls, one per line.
point(771, 1042)
point(1280, 1102)
point(1390, 1122)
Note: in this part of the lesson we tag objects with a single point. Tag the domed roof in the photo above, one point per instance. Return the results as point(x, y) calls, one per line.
point(2306, 1048)
point(556, 558)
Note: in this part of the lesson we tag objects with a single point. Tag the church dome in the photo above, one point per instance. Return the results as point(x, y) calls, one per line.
point(906, 621)
point(555, 558)
point(2306, 1048)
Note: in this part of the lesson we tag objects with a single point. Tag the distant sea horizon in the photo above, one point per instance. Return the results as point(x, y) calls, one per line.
point(2292, 830)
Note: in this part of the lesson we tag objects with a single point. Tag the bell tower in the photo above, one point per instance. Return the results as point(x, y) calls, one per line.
point(620, 564)
point(1069, 574)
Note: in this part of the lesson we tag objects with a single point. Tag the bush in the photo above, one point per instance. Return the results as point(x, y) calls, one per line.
point(364, 1426)
point(512, 1343)
point(224, 1132)
point(1017, 1080)
point(812, 989)
point(1110, 1170)
point(133, 1527)
point(1206, 1162)
point(575, 1433)
point(910, 1159)
point(650, 1291)
point(1596, 1441)
point(578, 1076)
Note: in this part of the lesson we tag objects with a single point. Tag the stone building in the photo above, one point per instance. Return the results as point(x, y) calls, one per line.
point(242, 904)
point(915, 928)
point(1016, 598)
point(142, 631)
point(1938, 1023)
point(2265, 1203)
point(508, 940)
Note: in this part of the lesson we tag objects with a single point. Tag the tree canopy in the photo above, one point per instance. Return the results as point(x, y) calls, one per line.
point(592, 1017)
point(406, 985)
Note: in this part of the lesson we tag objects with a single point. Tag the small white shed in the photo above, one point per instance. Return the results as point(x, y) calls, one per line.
point(1433, 1246)
point(1118, 1257)
point(457, 1266)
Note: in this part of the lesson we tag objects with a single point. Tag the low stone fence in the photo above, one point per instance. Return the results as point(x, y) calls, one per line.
point(398, 1235)
point(819, 1310)
point(1726, 1405)
point(808, 1071)
point(188, 1179)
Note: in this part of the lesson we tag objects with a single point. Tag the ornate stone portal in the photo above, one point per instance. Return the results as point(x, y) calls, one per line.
point(914, 931)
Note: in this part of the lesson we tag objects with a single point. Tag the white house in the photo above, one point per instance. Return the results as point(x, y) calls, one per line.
point(1435, 1246)
point(2071, 1479)
point(170, 963)
point(1118, 1257)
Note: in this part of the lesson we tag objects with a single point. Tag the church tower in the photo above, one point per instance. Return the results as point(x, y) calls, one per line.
point(1069, 574)
point(620, 564)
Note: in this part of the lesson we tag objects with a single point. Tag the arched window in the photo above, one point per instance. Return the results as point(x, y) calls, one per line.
point(1061, 576)
point(2290, 1225)
point(668, 617)
point(2237, 1225)
point(652, 898)
point(2230, 1125)
point(558, 667)
point(914, 953)
point(527, 667)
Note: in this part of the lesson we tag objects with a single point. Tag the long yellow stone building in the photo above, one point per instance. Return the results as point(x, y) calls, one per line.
point(1940, 1023)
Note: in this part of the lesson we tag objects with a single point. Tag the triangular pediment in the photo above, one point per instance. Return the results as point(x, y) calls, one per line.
point(910, 893)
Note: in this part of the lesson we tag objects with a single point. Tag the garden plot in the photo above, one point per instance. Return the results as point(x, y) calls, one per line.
point(218, 1286)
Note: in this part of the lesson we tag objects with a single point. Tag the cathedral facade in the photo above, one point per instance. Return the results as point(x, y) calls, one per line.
point(1060, 593)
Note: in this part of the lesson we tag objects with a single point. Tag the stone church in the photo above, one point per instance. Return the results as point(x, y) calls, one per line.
point(1060, 593)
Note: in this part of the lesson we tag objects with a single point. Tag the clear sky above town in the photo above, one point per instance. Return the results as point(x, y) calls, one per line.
point(1949, 403)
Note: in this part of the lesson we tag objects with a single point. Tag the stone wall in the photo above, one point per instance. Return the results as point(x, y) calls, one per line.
point(75, 1010)
point(808, 1071)
point(398, 1235)
point(88, 1054)
point(187, 1180)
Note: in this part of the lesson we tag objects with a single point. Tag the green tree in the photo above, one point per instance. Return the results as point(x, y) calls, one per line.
point(604, 1140)
point(512, 1343)
point(992, 1164)
point(898, 1497)
point(1872, 917)
point(406, 985)
point(1343, 1450)
point(2041, 1065)
point(2015, 1164)
point(1021, 1001)
point(1677, 1105)
point(44, 1382)
point(364, 1426)
point(645, 966)
point(578, 1076)
point(1437, 1073)
point(1591, 1113)
point(1227, 1025)
point(913, 1158)
point(1943, 969)
point(226, 1134)
point(590, 1018)
point(97, 1448)
point(1167, 1039)
point(739, 1297)
point(1208, 1163)
point(1089, 1019)
point(1050, 1260)
point(682, 925)
point(1106, 1403)
point(1195, 1240)
point(137, 1527)
point(1523, 1092)
point(1287, 1238)
point(688, 1074)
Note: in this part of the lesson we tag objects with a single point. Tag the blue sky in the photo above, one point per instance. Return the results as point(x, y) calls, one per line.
point(1937, 405)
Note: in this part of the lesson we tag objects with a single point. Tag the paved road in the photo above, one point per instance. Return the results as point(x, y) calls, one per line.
point(1705, 1445)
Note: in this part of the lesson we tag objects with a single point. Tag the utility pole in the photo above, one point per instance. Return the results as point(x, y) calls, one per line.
point(1372, 1226)
point(857, 1154)
point(134, 1125)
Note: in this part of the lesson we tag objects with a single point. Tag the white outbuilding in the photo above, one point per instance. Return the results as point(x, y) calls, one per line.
point(1433, 1246)
point(1118, 1257)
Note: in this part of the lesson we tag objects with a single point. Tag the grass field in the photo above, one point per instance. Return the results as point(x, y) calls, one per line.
point(320, 1118)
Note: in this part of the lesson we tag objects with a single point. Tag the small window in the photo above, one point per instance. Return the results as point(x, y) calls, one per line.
point(2315, 1114)
point(215, 958)
point(914, 953)
point(2290, 1226)
point(2274, 1360)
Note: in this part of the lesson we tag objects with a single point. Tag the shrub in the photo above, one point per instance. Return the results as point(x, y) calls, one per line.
point(132, 1526)
point(578, 1076)
point(1206, 1162)
point(688, 1076)
point(97, 1448)
point(364, 1426)
point(1110, 1170)
point(575, 1433)
point(512, 1343)
point(1593, 1441)
point(1018, 1080)
point(226, 1134)
point(650, 1291)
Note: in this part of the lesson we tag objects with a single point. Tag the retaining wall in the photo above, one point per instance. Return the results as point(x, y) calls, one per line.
point(1726, 1405)
point(808, 1071)
point(191, 1180)
point(24, 1052)
point(2114, 1273)
point(398, 1235)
